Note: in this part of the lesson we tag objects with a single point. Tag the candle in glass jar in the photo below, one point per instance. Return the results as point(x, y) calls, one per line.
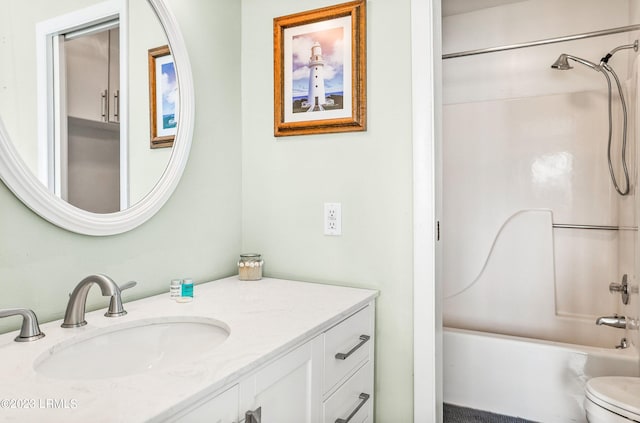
point(250, 267)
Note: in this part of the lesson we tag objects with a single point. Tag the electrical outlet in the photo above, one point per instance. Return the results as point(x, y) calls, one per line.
point(333, 219)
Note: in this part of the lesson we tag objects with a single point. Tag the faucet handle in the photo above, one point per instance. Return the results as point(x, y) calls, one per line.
point(127, 285)
point(115, 304)
point(30, 330)
point(622, 288)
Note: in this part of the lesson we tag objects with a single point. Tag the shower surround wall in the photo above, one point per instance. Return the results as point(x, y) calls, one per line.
point(524, 147)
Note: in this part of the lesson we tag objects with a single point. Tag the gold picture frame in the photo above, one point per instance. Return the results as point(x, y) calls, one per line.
point(327, 47)
point(163, 99)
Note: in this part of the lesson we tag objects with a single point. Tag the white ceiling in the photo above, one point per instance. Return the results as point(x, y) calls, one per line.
point(455, 7)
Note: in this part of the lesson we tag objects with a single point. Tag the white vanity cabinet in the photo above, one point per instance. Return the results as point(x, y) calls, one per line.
point(286, 390)
point(222, 408)
point(299, 352)
point(329, 378)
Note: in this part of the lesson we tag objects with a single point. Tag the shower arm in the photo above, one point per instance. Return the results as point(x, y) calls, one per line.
point(606, 58)
point(584, 62)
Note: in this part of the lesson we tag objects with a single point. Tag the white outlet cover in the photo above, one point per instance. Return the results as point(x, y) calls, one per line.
point(333, 219)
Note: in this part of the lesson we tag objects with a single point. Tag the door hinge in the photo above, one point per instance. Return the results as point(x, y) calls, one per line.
point(438, 230)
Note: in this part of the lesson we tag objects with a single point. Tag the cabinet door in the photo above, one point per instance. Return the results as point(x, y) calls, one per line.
point(114, 75)
point(286, 391)
point(221, 409)
point(87, 69)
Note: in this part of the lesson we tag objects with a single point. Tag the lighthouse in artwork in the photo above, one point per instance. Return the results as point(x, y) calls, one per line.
point(317, 98)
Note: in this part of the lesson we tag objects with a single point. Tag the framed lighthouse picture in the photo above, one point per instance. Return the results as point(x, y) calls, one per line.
point(320, 70)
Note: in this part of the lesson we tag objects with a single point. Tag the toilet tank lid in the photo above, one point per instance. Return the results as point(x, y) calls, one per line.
point(618, 394)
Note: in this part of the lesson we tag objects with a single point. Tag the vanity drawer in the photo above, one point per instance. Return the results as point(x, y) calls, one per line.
point(353, 399)
point(346, 346)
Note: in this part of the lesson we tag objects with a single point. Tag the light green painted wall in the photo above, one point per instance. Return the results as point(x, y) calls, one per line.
point(287, 180)
point(197, 233)
point(274, 205)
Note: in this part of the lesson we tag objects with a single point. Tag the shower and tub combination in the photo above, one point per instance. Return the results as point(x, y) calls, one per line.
point(539, 221)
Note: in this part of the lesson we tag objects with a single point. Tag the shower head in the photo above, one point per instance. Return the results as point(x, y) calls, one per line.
point(562, 63)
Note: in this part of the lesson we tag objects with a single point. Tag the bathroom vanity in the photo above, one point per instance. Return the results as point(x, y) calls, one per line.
point(263, 351)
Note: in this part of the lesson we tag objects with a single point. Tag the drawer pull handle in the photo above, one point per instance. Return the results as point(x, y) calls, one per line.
point(364, 397)
point(344, 356)
point(253, 416)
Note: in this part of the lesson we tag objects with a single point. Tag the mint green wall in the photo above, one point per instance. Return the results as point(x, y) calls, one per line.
point(197, 233)
point(287, 180)
point(274, 205)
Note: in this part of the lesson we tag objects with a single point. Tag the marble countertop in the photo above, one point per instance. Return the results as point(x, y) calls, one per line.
point(266, 318)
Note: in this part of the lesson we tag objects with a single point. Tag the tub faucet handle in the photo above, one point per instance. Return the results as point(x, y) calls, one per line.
point(622, 288)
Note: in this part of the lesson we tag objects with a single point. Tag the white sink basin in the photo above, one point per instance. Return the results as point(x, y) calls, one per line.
point(132, 348)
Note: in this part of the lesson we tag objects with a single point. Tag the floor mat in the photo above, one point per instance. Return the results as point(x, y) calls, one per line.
point(456, 414)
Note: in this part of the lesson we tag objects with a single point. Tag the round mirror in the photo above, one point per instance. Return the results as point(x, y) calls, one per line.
point(96, 110)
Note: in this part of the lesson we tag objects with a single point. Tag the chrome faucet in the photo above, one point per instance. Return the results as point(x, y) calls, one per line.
point(74, 316)
point(30, 330)
point(614, 321)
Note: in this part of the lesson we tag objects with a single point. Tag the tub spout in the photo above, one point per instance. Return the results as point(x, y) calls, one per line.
point(614, 321)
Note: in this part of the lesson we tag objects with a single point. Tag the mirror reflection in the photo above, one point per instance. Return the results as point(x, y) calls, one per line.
point(89, 97)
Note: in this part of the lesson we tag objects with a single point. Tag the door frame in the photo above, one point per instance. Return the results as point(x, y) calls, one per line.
point(426, 53)
point(51, 150)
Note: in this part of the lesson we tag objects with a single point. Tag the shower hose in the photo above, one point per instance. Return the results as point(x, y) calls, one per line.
point(624, 132)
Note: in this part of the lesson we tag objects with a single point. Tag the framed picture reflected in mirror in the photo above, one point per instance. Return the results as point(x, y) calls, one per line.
point(163, 97)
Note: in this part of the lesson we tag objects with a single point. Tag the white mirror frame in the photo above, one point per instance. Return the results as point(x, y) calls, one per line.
point(28, 188)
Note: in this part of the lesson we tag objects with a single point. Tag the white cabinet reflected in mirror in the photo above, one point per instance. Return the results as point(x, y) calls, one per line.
point(76, 105)
point(84, 103)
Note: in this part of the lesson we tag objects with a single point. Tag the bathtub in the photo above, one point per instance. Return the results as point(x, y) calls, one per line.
point(528, 378)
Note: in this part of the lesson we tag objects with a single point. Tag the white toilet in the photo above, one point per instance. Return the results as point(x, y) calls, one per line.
point(612, 399)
